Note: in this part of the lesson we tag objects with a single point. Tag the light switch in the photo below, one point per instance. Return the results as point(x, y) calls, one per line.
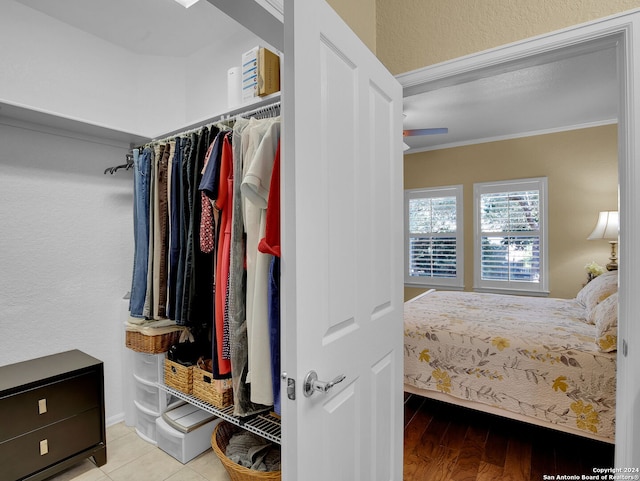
point(42, 406)
point(44, 447)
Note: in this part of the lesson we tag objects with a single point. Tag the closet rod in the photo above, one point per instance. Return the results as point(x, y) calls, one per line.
point(264, 103)
point(262, 110)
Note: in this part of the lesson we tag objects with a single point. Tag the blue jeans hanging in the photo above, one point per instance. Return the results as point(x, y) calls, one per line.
point(142, 181)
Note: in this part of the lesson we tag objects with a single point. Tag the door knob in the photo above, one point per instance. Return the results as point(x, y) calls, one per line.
point(311, 383)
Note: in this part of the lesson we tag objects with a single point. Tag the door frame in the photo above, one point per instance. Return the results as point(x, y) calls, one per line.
point(621, 31)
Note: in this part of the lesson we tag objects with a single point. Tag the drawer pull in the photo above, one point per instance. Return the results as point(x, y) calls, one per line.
point(42, 406)
point(44, 447)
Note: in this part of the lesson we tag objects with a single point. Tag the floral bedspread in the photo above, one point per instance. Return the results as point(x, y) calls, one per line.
point(532, 356)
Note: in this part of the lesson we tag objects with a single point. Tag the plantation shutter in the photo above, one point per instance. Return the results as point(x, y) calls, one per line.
point(511, 234)
point(433, 236)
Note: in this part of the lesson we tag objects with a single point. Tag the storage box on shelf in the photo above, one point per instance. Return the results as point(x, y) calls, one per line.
point(178, 376)
point(185, 431)
point(260, 73)
point(217, 392)
point(151, 344)
point(268, 72)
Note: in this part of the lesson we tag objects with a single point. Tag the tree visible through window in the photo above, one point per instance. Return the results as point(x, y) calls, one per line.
point(510, 236)
point(508, 252)
point(433, 236)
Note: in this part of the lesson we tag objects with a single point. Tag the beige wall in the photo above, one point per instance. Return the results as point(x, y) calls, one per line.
point(412, 34)
point(360, 15)
point(581, 167)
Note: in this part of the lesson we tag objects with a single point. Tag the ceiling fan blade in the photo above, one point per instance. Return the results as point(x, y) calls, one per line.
point(414, 132)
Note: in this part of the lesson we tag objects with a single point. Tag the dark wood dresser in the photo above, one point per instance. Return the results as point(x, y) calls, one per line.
point(51, 415)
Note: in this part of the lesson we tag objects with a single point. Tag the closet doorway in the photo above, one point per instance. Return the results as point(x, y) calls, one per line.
point(612, 33)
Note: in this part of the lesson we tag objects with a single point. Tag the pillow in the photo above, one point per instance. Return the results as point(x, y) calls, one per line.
point(597, 291)
point(606, 320)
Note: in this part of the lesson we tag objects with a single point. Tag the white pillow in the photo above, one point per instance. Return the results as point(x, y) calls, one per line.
point(597, 291)
point(606, 320)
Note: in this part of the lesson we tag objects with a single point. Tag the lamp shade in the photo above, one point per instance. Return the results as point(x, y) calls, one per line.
point(607, 226)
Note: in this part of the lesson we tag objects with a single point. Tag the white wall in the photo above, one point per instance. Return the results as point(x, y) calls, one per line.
point(207, 91)
point(50, 66)
point(60, 69)
point(66, 249)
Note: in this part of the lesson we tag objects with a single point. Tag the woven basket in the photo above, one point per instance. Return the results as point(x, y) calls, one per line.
point(178, 376)
point(151, 344)
point(217, 392)
point(219, 441)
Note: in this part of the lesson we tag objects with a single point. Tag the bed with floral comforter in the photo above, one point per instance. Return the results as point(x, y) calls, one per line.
point(533, 359)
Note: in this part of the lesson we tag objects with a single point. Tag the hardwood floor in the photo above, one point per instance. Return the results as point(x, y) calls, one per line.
point(443, 442)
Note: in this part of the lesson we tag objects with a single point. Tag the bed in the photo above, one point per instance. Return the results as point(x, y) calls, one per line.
point(547, 361)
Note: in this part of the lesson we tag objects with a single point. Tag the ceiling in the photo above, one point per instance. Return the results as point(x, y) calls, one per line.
point(146, 27)
point(565, 93)
point(571, 92)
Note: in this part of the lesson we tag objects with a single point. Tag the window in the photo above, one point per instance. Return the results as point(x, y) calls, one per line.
point(510, 236)
point(433, 244)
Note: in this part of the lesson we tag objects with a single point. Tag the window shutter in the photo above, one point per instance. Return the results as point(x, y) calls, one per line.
point(434, 236)
point(510, 238)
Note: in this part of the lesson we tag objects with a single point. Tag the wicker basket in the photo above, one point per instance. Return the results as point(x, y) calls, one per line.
point(178, 376)
point(151, 344)
point(217, 392)
point(219, 441)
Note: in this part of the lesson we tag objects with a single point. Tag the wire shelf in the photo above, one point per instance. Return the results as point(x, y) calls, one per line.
point(266, 424)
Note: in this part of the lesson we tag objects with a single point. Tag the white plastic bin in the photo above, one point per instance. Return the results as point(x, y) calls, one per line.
point(149, 395)
point(184, 446)
point(146, 423)
point(148, 367)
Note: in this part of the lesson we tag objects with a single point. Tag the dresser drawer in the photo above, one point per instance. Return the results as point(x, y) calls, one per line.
point(22, 455)
point(29, 410)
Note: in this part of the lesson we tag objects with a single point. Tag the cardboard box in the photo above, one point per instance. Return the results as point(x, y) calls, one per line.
point(268, 72)
point(250, 74)
point(260, 73)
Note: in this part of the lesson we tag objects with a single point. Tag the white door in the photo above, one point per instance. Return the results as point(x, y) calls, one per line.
point(342, 252)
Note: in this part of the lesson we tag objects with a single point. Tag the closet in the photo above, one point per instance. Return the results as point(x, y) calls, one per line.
point(341, 231)
point(229, 186)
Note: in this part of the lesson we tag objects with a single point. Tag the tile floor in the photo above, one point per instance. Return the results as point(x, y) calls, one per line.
point(129, 458)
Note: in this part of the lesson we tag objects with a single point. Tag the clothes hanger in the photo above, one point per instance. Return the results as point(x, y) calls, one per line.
point(127, 166)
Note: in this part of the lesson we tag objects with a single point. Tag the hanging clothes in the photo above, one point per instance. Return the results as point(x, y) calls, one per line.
point(148, 299)
point(225, 207)
point(141, 176)
point(270, 244)
point(161, 233)
point(237, 324)
point(197, 307)
point(210, 233)
point(199, 214)
point(257, 168)
point(183, 208)
point(175, 178)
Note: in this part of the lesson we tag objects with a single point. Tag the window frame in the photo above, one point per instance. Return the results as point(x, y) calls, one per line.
point(455, 283)
point(540, 288)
